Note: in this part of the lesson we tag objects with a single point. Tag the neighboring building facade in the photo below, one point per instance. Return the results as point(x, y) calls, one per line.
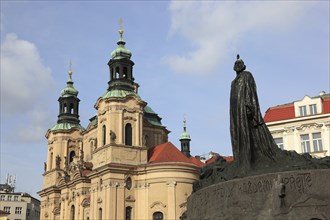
point(20, 206)
point(303, 125)
point(122, 165)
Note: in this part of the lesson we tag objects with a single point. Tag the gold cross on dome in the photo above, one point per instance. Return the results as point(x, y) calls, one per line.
point(70, 70)
point(184, 120)
point(121, 27)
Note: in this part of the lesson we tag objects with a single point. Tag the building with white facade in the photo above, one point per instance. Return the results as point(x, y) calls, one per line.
point(20, 206)
point(303, 125)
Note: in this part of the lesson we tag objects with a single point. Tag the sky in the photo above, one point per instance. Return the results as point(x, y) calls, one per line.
point(183, 52)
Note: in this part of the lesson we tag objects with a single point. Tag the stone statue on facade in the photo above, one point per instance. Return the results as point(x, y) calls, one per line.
point(58, 162)
point(112, 137)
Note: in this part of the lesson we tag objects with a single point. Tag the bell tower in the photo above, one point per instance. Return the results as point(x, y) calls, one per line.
point(69, 103)
point(185, 139)
point(121, 66)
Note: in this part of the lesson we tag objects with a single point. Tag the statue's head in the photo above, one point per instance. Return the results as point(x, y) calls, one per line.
point(239, 65)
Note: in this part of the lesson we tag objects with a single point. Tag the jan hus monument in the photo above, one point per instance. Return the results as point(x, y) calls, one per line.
point(263, 181)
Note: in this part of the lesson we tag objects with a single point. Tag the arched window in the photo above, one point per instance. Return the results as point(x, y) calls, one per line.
point(71, 156)
point(157, 216)
point(128, 213)
point(51, 161)
point(117, 72)
point(104, 132)
point(128, 134)
point(71, 108)
point(72, 212)
point(125, 73)
point(100, 213)
point(111, 73)
point(65, 108)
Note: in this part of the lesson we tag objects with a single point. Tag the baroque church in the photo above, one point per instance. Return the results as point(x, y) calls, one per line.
point(121, 166)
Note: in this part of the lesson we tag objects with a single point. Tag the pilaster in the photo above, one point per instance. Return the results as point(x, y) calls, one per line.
point(171, 199)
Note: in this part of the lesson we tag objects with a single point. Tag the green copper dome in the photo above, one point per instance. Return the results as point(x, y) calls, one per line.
point(69, 90)
point(66, 127)
point(152, 116)
point(121, 52)
point(119, 93)
point(184, 135)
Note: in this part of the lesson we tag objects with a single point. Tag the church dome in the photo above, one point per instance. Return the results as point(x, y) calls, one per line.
point(69, 90)
point(121, 52)
point(184, 135)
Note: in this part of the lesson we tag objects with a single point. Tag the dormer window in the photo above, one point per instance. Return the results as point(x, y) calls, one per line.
point(302, 110)
point(312, 109)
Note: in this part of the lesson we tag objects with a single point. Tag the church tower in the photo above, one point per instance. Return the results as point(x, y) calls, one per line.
point(185, 139)
point(69, 104)
point(120, 111)
point(65, 147)
point(121, 67)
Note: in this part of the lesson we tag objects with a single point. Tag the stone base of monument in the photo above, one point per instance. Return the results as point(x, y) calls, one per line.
point(297, 195)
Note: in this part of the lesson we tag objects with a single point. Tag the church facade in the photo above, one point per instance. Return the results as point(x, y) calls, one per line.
point(121, 166)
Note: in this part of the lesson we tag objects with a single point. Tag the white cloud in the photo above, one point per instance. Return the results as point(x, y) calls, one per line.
point(213, 28)
point(25, 82)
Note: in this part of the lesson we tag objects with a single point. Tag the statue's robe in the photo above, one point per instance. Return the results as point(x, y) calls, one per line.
point(250, 137)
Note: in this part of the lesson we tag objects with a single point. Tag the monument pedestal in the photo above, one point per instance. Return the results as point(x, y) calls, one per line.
point(297, 195)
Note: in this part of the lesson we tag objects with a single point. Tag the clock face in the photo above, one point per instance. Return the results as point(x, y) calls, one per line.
point(129, 183)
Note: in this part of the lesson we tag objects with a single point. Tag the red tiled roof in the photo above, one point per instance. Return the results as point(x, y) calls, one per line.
point(214, 158)
point(278, 113)
point(285, 112)
point(211, 160)
point(228, 158)
point(196, 161)
point(167, 152)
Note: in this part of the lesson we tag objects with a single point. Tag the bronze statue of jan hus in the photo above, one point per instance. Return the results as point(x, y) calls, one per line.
point(254, 149)
point(250, 137)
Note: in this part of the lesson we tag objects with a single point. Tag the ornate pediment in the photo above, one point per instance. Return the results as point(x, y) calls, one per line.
point(130, 199)
point(310, 126)
point(99, 200)
point(158, 203)
point(56, 211)
point(85, 203)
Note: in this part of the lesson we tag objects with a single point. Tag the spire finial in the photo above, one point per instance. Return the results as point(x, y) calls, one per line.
point(121, 28)
point(70, 70)
point(184, 121)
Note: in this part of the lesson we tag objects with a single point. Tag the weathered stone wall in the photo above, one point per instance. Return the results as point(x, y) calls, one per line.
point(286, 195)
